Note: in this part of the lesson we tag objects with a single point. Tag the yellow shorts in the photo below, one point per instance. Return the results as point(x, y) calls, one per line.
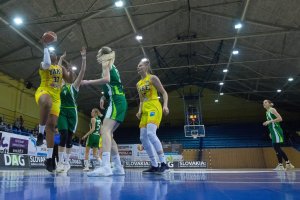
point(55, 96)
point(151, 113)
point(100, 142)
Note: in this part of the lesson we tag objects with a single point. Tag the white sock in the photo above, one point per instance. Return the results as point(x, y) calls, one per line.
point(116, 159)
point(151, 133)
point(86, 163)
point(148, 147)
point(49, 152)
point(42, 129)
point(106, 158)
point(61, 156)
point(99, 161)
point(67, 157)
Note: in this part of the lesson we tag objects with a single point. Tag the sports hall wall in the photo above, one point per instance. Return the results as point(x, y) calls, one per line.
point(230, 109)
point(241, 157)
point(17, 100)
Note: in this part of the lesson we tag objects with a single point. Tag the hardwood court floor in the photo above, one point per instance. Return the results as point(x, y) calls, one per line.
point(181, 185)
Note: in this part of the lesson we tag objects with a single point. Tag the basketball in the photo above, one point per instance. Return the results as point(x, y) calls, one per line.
point(140, 147)
point(49, 37)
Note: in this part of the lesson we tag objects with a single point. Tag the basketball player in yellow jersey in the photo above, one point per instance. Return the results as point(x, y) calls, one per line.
point(150, 114)
point(47, 97)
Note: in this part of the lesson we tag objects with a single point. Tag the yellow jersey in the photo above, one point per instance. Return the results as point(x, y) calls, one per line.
point(52, 77)
point(147, 89)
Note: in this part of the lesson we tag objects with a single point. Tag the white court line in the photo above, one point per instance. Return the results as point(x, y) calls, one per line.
point(220, 172)
point(239, 182)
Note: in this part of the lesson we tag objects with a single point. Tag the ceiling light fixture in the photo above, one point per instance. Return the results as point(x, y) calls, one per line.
point(238, 26)
point(138, 37)
point(119, 4)
point(235, 52)
point(18, 20)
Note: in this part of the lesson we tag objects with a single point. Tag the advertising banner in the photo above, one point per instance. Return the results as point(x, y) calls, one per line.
point(13, 161)
point(76, 163)
point(136, 164)
point(77, 152)
point(139, 154)
point(190, 164)
point(18, 145)
point(172, 165)
point(4, 143)
point(126, 152)
point(25, 154)
point(37, 161)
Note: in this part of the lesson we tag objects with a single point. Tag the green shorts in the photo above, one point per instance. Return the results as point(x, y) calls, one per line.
point(117, 108)
point(67, 119)
point(93, 141)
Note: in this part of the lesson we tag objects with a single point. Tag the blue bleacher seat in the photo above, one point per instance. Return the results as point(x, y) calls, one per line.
point(217, 136)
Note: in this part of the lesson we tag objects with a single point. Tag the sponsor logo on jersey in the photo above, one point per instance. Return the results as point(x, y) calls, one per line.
point(54, 71)
point(152, 114)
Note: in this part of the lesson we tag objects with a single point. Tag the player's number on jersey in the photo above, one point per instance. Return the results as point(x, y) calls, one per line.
point(56, 79)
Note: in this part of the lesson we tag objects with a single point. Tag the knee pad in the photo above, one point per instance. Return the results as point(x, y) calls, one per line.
point(63, 138)
point(69, 143)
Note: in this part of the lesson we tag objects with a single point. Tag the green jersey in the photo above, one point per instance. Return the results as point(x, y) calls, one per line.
point(114, 87)
point(68, 96)
point(274, 128)
point(97, 126)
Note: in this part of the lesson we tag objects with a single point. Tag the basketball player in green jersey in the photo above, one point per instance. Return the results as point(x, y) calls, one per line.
point(115, 113)
point(68, 117)
point(93, 137)
point(276, 134)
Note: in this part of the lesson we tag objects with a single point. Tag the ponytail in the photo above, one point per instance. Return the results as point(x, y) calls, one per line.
point(97, 112)
point(270, 102)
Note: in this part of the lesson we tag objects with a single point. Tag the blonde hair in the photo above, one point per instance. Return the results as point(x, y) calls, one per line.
point(105, 50)
point(97, 112)
point(110, 54)
point(146, 61)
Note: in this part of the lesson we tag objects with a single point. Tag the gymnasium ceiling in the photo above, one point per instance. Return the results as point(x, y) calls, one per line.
point(189, 42)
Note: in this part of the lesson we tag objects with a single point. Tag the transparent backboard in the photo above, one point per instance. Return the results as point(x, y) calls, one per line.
point(194, 131)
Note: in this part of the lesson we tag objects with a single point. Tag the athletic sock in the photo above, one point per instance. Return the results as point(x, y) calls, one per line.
point(49, 152)
point(162, 158)
point(106, 158)
point(67, 157)
point(116, 159)
point(61, 157)
point(42, 129)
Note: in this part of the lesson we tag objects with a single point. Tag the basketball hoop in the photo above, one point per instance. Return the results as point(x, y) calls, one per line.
point(194, 131)
point(195, 136)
